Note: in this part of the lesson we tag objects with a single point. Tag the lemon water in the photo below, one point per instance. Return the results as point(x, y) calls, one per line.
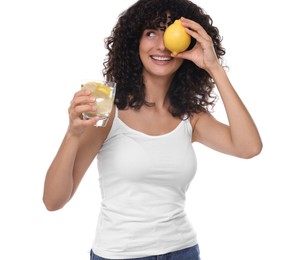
point(104, 99)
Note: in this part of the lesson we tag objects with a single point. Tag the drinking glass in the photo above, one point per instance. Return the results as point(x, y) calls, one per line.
point(104, 93)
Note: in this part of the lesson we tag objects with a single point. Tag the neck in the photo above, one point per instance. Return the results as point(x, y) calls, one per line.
point(156, 90)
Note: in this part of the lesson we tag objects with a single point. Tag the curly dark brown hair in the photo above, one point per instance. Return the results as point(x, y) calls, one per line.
point(191, 90)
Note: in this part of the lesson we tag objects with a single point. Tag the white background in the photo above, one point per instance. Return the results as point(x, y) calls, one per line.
point(241, 209)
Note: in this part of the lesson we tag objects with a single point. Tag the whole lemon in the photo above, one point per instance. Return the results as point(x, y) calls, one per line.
point(176, 39)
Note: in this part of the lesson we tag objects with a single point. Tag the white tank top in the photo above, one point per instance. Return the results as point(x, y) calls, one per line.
point(143, 181)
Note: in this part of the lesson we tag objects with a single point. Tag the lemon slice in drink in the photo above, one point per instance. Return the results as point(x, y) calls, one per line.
point(90, 86)
point(104, 106)
point(95, 87)
point(103, 88)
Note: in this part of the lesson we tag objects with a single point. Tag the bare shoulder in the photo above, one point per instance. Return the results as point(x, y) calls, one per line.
point(197, 117)
point(201, 123)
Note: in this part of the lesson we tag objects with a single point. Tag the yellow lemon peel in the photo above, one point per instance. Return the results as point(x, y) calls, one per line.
point(103, 88)
point(176, 39)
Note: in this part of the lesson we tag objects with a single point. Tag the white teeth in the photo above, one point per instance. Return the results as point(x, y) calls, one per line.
point(161, 58)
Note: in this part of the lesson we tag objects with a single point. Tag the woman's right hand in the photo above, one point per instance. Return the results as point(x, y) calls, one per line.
point(81, 102)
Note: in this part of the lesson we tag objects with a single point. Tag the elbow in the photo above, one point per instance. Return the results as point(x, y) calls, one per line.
point(51, 205)
point(252, 151)
point(54, 201)
point(52, 208)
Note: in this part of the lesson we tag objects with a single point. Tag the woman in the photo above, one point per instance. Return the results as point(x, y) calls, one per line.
point(145, 155)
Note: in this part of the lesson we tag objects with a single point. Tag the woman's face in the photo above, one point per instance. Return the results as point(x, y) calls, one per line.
point(156, 59)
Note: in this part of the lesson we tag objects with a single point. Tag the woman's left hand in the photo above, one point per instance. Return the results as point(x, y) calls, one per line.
point(203, 53)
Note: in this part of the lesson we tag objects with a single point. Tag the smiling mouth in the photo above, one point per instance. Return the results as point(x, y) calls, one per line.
point(161, 58)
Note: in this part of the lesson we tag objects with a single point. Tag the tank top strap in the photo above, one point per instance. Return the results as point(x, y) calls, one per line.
point(116, 111)
point(188, 125)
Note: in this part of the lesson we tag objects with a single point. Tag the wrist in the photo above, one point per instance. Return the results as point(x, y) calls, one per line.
point(215, 70)
point(72, 134)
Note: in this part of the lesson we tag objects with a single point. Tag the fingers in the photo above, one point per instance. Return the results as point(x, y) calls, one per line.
point(81, 102)
point(203, 52)
point(196, 30)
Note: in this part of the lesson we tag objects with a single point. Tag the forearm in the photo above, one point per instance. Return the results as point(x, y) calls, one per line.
point(59, 181)
point(243, 131)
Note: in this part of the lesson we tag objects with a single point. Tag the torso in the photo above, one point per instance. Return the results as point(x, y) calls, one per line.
point(145, 169)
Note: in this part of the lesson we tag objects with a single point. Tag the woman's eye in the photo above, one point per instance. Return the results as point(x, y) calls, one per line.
point(150, 33)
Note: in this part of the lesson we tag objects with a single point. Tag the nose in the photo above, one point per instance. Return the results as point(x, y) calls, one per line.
point(161, 45)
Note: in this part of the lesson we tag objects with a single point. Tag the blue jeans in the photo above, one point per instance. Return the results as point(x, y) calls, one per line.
point(191, 253)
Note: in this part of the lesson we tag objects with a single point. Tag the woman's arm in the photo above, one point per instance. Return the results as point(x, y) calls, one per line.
point(77, 150)
point(241, 137)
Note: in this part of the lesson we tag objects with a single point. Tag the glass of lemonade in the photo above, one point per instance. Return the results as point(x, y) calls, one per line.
point(104, 93)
